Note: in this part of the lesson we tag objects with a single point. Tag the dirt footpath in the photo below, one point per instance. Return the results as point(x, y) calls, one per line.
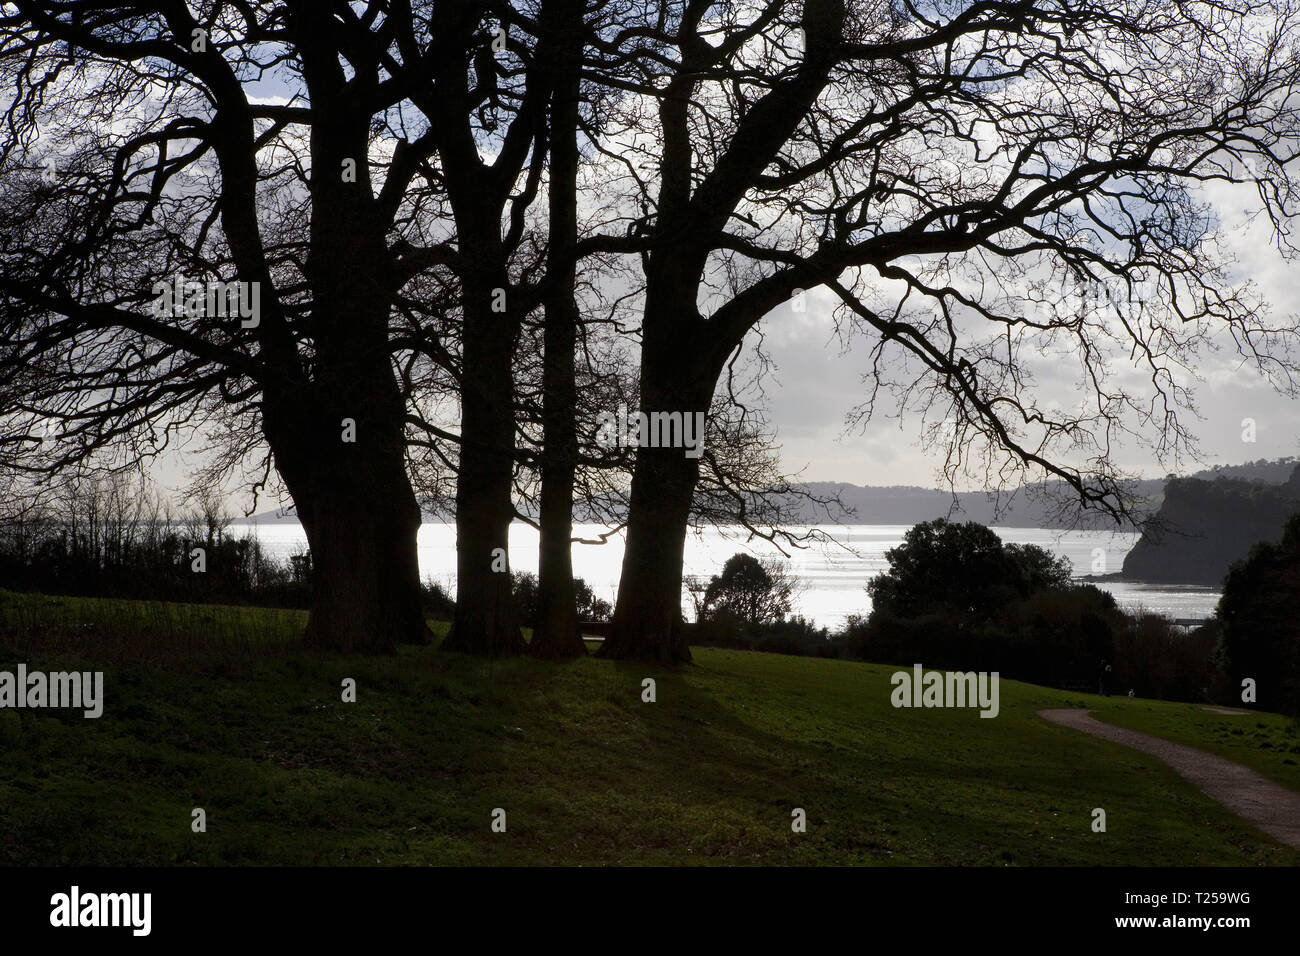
point(1268, 805)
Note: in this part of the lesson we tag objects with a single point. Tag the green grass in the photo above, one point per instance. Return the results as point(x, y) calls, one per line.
point(217, 708)
point(1267, 743)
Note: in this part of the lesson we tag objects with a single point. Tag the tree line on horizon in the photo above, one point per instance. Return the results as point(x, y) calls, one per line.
point(474, 230)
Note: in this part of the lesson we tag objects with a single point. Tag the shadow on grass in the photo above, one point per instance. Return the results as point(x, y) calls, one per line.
point(585, 770)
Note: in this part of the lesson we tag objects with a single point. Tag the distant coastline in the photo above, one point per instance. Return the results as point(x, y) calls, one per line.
point(1196, 526)
point(1204, 525)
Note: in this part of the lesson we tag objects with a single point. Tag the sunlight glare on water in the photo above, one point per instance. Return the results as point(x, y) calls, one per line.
point(833, 578)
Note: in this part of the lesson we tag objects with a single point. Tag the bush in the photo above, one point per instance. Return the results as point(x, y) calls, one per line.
point(590, 607)
point(956, 598)
point(1260, 629)
point(1156, 659)
point(748, 592)
point(107, 540)
point(797, 637)
point(437, 603)
point(961, 571)
point(523, 586)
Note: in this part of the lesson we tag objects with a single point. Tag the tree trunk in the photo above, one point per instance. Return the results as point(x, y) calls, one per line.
point(356, 505)
point(648, 617)
point(674, 377)
point(365, 569)
point(556, 634)
point(485, 622)
point(339, 437)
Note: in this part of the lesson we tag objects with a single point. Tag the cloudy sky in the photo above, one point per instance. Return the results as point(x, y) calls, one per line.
point(817, 381)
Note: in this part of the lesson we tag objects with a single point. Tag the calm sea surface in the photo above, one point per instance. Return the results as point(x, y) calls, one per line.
point(833, 576)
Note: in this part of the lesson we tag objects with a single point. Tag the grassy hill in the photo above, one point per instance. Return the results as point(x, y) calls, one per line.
point(215, 708)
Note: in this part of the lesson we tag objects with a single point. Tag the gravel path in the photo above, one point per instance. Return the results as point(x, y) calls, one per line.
point(1268, 805)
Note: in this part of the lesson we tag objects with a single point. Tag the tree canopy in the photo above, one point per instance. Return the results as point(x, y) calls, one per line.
point(748, 591)
point(962, 569)
point(1261, 632)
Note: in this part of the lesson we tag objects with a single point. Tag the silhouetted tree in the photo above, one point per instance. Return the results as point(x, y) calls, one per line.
point(964, 179)
point(963, 569)
point(140, 150)
point(1261, 629)
point(556, 629)
point(748, 591)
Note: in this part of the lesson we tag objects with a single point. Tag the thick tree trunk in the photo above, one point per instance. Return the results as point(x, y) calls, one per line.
point(356, 505)
point(674, 378)
point(365, 570)
point(648, 617)
point(556, 634)
point(355, 502)
point(338, 431)
point(485, 621)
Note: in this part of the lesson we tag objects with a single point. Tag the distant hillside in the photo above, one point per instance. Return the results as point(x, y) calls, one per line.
point(1203, 526)
point(1029, 507)
point(1271, 472)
